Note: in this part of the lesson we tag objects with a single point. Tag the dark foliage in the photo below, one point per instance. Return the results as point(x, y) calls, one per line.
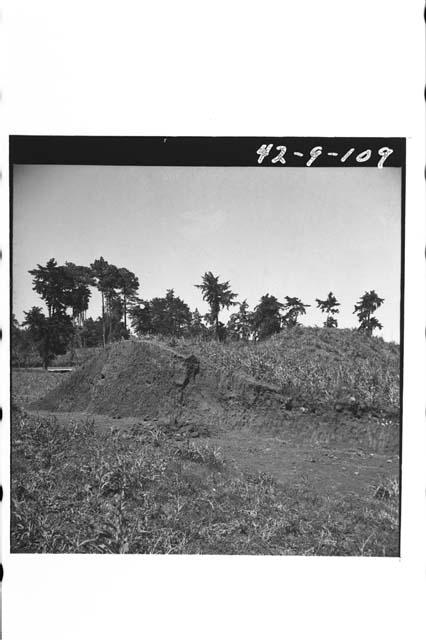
point(218, 295)
point(329, 306)
point(266, 319)
point(168, 316)
point(51, 335)
point(240, 323)
point(294, 308)
point(364, 309)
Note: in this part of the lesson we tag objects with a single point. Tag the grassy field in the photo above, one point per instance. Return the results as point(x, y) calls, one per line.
point(31, 384)
point(78, 489)
point(84, 489)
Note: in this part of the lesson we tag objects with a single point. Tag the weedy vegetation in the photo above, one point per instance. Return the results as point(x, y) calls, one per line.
point(78, 489)
point(31, 384)
point(319, 366)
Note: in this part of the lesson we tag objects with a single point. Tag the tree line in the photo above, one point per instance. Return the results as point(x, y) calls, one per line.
point(66, 291)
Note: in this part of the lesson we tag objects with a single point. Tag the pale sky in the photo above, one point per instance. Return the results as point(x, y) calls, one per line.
point(284, 231)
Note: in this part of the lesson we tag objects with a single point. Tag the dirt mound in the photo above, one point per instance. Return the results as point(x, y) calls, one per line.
point(150, 380)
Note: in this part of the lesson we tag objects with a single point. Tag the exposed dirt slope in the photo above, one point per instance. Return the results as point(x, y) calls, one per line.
point(151, 380)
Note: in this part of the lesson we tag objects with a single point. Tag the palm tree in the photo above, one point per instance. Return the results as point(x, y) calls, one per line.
point(329, 306)
point(295, 308)
point(240, 323)
point(367, 305)
point(218, 295)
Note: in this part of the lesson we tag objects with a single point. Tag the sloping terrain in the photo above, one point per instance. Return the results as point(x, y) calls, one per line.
point(151, 380)
point(341, 387)
point(286, 446)
point(318, 368)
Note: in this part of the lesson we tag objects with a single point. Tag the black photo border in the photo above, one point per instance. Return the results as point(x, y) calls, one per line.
point(211, 151)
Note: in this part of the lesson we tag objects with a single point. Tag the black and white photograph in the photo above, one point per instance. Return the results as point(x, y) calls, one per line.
point(212, 336)
point(206, 345)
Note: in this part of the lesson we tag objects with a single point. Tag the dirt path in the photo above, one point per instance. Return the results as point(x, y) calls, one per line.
point(333, 469)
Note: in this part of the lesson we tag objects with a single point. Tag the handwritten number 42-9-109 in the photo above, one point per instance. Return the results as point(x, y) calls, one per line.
point(265, 150)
